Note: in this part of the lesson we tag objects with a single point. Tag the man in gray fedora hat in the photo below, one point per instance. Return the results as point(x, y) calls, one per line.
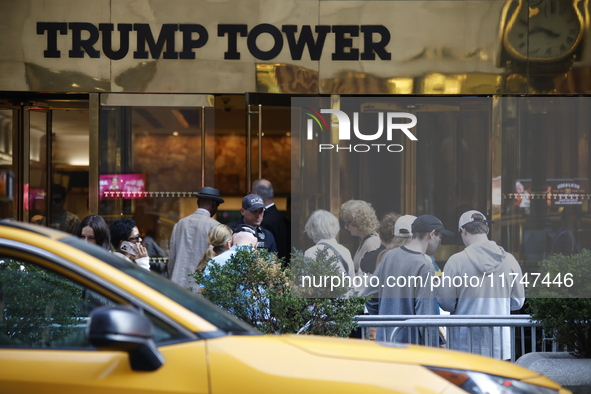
point(188, 241)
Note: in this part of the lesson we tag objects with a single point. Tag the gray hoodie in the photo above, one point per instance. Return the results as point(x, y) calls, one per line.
point(487, 282)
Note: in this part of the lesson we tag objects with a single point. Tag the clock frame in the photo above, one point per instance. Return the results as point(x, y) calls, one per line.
point(543, 30)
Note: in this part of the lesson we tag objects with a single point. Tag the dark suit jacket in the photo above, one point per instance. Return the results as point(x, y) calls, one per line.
point(275, 223)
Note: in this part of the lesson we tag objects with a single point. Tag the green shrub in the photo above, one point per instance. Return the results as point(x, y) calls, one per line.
point(255, 287)
point(565, 310)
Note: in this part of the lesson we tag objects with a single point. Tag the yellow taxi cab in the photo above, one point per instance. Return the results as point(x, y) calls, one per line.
point(77, 319)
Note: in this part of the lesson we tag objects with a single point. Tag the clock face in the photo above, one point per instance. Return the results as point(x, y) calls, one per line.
point(546, 30)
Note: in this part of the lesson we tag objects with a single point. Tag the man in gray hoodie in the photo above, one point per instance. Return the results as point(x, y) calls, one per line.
point(405, 275)
point(483, 279)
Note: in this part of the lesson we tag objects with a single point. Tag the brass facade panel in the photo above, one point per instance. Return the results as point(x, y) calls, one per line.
point(22, 64)
point(155, 100)
point(209, 72)
point(428, 47)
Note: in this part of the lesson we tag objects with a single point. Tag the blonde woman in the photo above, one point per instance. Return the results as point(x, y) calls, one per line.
point(219, 239)
point(361, 221)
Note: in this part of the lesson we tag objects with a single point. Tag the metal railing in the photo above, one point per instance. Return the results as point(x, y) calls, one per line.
point(525, 335)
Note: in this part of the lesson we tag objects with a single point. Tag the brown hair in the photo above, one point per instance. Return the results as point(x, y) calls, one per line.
point(387, 227)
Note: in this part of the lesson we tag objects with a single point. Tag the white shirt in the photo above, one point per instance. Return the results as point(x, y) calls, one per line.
point(143, 262)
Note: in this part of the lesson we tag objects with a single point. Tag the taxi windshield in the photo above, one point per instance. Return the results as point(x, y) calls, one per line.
point(198, 305)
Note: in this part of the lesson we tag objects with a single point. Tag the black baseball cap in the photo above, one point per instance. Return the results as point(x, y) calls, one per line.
point(427, 223)
point(252, 202)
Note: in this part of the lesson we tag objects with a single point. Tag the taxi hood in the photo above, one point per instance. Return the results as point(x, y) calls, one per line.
point(404, 354)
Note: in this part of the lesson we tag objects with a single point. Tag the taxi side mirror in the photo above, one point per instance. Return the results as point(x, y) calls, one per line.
point(122, 328)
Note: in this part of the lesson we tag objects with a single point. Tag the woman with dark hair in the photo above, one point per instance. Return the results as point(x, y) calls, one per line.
point(94, 229)
point(127, 242)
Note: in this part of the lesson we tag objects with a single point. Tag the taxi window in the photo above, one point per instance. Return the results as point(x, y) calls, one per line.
point(40, 308)
point(198, 305)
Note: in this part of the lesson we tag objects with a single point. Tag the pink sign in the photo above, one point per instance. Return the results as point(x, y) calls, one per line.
point(122, 186)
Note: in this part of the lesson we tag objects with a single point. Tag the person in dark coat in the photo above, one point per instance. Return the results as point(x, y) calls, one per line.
point(273, 220)
point(252, 212)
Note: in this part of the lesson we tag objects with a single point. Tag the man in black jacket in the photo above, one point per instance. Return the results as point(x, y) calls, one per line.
point(252, 212)
point(273, 219)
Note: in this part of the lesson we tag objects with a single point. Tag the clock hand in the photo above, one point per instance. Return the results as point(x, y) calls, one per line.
point(548, 32)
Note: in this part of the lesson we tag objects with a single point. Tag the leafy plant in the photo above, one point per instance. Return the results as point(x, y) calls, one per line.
point(255, 287)
point(560, 300)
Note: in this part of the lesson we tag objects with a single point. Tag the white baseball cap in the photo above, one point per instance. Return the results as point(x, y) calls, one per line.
point(471, 216)
point(403, 226)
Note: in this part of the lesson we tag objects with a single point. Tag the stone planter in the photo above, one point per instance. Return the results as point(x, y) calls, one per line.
point(570, 372)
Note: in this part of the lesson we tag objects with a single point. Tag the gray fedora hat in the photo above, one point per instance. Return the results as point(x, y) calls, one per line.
point(209, 193)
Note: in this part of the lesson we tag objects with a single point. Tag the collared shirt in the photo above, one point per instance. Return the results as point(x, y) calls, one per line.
point(205, 211)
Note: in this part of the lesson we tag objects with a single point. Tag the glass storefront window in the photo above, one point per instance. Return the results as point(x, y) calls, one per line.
point(152, 160)
point(453, 163)
point(522, 161)
point(58, 163)
point(443, 173)
point(545, 182)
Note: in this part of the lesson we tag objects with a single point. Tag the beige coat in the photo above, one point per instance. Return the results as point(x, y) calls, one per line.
point(187, 246)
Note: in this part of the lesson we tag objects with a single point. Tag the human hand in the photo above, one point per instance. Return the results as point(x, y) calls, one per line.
point(141, 251)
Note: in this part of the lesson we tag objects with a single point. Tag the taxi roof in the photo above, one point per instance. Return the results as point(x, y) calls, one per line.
point(35, 228)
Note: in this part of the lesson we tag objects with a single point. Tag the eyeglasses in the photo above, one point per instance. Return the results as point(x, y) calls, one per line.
point(134, 239)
